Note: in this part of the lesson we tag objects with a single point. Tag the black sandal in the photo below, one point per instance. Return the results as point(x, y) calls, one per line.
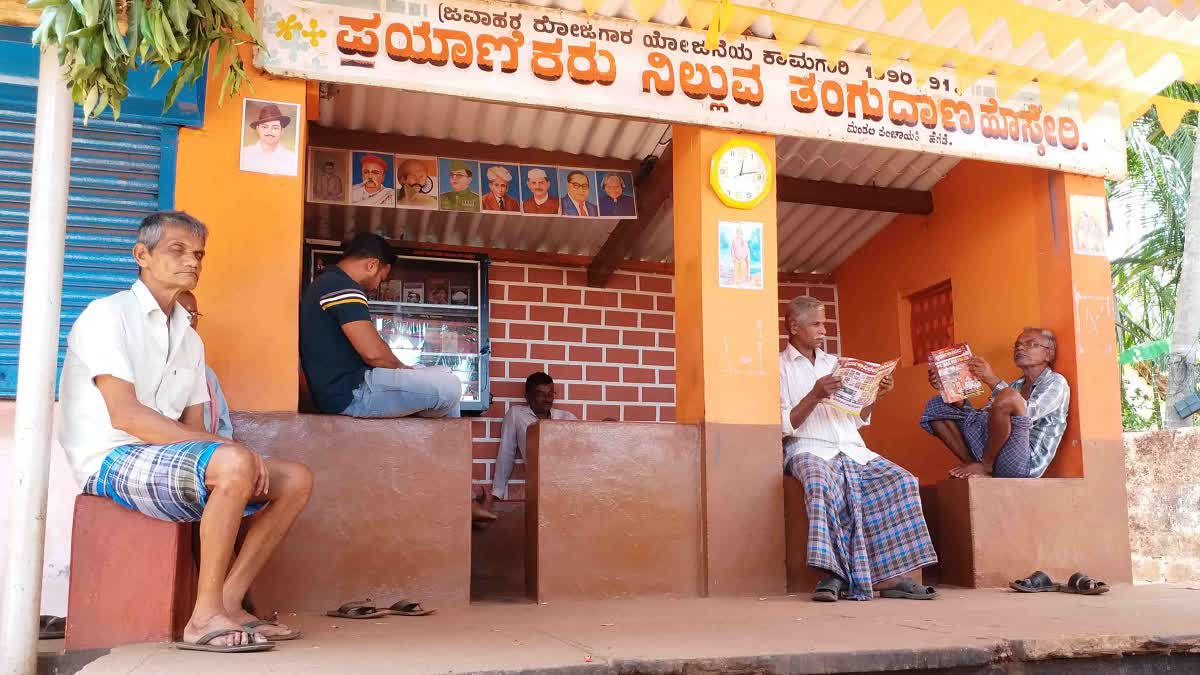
point(829, 589)
point(1082, 584)
point(1038, 582)
point(908, 589)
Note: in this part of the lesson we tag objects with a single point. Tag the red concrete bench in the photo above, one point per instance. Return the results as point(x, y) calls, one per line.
point(993, 531)
point(389, 516)
point(612, 510)
point(133, 578)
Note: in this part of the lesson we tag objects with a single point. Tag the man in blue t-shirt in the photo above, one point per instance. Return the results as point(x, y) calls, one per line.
point(350, 369)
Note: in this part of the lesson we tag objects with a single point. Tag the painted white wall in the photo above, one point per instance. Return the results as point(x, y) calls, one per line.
point(60, 505)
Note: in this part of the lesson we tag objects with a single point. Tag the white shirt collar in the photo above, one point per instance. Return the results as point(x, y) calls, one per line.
point(149, 305)
point(794, 354)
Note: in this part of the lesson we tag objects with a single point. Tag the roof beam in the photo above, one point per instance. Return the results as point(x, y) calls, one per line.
point(653, 191)
point(847, 196)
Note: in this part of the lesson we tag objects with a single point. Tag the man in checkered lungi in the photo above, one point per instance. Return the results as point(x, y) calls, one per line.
point(1017, 433)
point(865, 525)
point(133, 392)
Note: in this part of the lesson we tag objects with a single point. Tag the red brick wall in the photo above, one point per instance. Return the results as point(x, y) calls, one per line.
point(611, 351)
point(827, 293)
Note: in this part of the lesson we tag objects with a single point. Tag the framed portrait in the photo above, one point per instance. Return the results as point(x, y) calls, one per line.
point(270, 136)
point(372, 176)
point(577, 189)
point(501, 188)
point(539, 190)
point(1089, 224)
point(459, 184)
point(740, 254)
point(616, 197)
point(416, 182)
point(328, 175)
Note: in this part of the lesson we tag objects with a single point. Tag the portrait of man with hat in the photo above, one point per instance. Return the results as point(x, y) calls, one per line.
point(462, 176)
point(373, 180)
point(267, 149)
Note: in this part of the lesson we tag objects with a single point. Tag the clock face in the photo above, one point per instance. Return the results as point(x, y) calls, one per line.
point(742, 174)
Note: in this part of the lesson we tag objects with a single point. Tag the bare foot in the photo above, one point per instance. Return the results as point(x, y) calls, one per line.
point(266, 630)
point(199, 626)
point(480, 513)
point(970, 469)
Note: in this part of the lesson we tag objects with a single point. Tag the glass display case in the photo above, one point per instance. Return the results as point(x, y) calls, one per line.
point(432, 310)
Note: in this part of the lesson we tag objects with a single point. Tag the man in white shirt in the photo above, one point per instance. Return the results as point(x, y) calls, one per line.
point(133, 391)
point(267, 155)
point(865, 525)
point(539, 395)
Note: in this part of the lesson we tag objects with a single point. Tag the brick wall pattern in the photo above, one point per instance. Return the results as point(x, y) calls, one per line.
point(611, 350)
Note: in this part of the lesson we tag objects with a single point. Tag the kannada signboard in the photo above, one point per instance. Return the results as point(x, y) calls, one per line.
point(549, 58)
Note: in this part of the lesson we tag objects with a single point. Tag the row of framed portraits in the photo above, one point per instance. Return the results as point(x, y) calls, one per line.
point(388, 180)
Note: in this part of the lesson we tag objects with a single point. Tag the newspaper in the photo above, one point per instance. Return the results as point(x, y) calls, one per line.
point(860, 384)
point(957, 382)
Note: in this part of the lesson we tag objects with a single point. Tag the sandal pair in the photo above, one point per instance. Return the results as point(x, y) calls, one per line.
point(832, 588)
point(363, 609)
point(1078, 584)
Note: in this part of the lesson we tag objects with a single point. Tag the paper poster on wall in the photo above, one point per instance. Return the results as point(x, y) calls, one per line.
point(578, 190)
point(539, 190)
point(461, 176)
point(740, 254)
point(501, 191)
point(1089, 224)
point(616, 194)
point(372, 175)
point(270, 137)
point(416, 182)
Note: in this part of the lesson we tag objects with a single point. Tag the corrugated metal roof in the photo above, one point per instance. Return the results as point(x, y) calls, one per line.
point(813, 239)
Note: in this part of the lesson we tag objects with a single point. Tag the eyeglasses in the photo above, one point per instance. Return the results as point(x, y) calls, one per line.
point(581, 186)
point(1029, 344)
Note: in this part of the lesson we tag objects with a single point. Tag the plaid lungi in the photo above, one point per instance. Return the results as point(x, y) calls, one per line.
point(1016, 455)
point(864, 521)
point(165, 482)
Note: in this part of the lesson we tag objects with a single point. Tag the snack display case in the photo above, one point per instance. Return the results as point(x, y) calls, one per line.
point(432, 311)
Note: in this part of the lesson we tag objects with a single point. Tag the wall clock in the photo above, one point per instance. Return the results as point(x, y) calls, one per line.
point(741, 174)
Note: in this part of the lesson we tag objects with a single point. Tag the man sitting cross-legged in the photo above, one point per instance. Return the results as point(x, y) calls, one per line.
point(1017, 433)
point(133, 391)
point(539, 395)
point(865, 525)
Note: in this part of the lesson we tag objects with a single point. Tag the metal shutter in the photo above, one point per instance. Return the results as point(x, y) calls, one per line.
point(117, 177)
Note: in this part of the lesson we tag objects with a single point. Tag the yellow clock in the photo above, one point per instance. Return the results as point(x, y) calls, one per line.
point(741, 174)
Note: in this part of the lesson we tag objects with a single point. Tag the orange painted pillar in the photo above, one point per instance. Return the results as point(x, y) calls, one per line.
point(728, 375)
point(250, 286)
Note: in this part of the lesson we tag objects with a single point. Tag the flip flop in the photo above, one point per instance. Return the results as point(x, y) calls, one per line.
point(1082, 584)
point(358, 609)
point(829, 589)
point(409, 608)
point(52, 627)
point(1038, 582)
point(908, 589)
point(203, 644)
point(279, 637)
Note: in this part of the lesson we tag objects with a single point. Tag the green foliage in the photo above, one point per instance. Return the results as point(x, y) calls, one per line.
point(97, 54)
point(1146, 277)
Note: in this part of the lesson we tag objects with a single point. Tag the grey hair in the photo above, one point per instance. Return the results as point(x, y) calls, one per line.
point(1049, 335)
point(617, 176)
point(150, 232)
point(801, 306)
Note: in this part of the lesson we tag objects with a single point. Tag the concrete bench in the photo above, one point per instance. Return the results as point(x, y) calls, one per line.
point(612, 510)
point(388, 518)
point(995, 530)
point(133, 578)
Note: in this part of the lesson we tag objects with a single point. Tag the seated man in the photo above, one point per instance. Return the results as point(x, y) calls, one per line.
point(216, 410)
point(539, 395)
point(865, 525)
point(349, 367)
point(1017, 433)
point(132, 392)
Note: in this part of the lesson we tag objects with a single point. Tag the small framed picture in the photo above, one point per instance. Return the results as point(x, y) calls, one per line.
point(460, 295)
point(414, 292)
point(270, 136)
point(439, 292)
point(328, 175)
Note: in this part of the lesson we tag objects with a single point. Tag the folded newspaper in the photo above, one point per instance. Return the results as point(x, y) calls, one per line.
point(957, 382)
point(860, 384)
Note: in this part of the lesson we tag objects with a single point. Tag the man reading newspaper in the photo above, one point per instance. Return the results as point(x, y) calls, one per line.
point(1017, 433)
point(865, 525)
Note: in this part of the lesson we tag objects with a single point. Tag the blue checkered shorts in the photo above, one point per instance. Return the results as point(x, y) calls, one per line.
point(165, 482)
point(1015, 456)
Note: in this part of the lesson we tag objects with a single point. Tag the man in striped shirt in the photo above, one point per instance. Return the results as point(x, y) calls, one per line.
point(350, 369)
point(1017, 433)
